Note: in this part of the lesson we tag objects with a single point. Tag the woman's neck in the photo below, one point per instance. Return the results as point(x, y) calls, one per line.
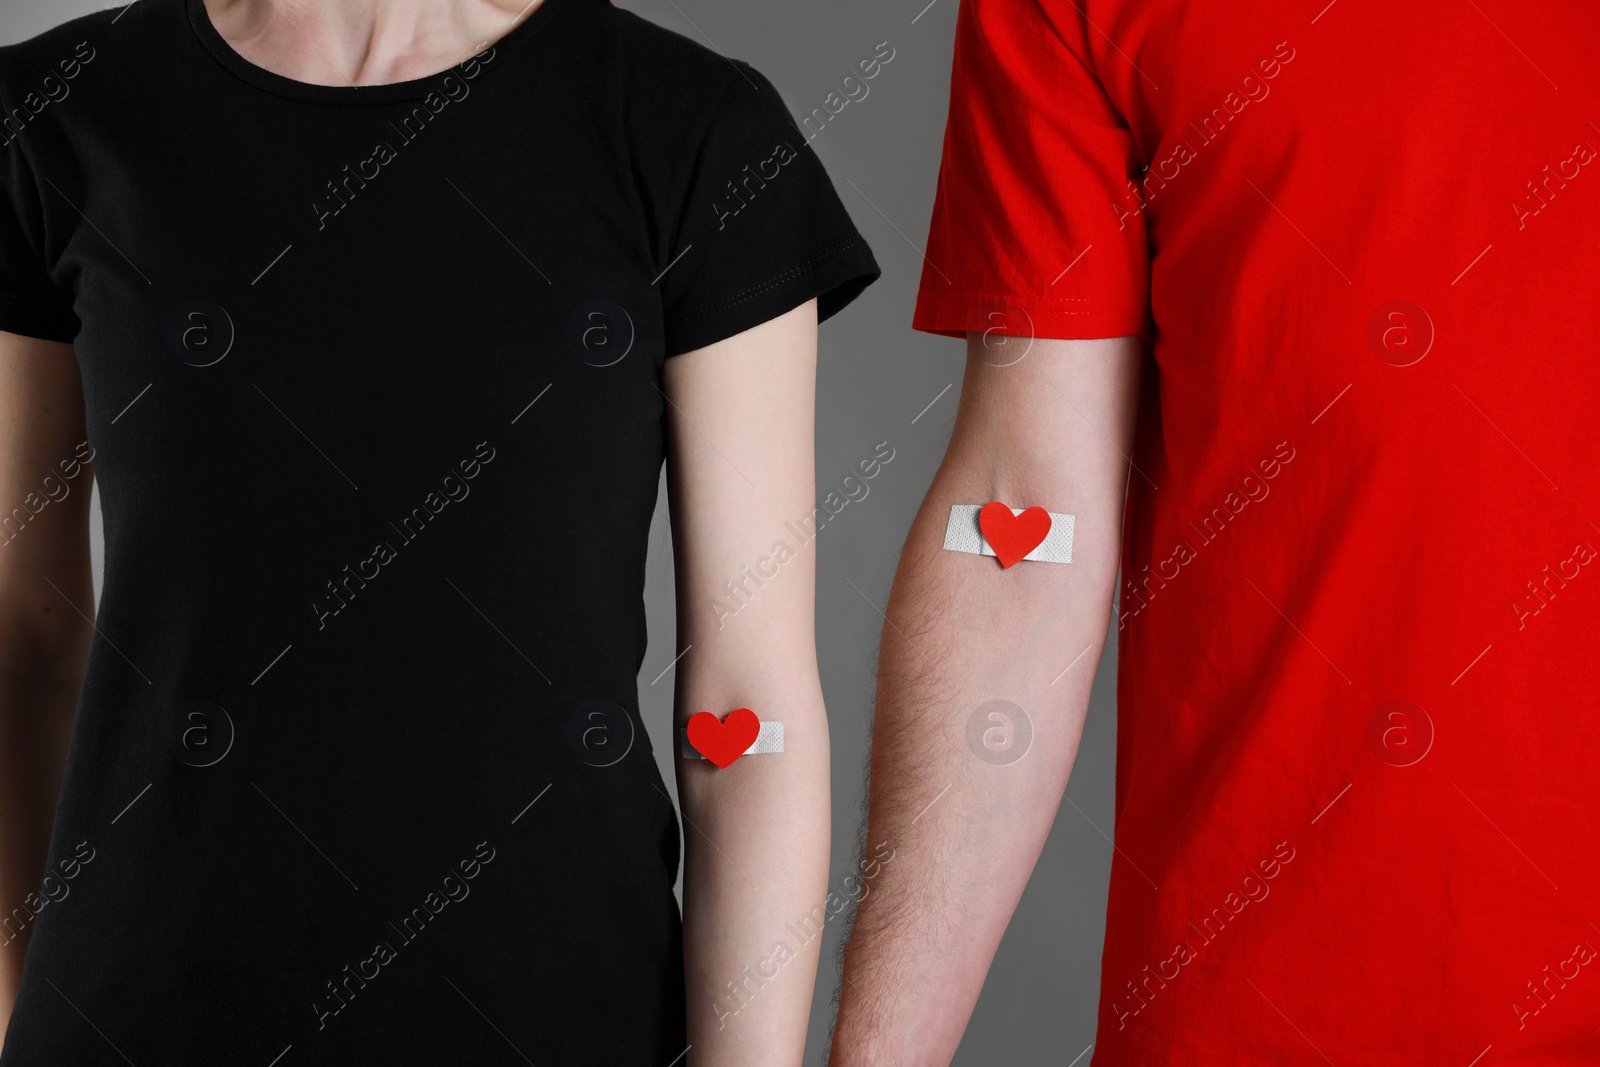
point(363, 42)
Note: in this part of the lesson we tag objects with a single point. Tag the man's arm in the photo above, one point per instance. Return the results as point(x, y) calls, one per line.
point(44, 583)
point(756, 833)
point(1051, 430)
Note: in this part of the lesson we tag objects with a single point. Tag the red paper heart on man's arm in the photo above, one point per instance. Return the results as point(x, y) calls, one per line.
point(1013, 536)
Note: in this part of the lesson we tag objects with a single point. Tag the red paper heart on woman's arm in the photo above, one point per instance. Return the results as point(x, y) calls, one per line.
point(723, 740)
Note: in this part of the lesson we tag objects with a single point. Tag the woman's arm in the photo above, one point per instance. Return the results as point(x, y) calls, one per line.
point(46, 601)
point(756, 855)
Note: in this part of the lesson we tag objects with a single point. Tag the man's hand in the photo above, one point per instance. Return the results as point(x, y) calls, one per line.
point(1053, 430)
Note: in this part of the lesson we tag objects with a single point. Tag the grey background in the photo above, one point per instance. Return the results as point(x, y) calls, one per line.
point(876, 376)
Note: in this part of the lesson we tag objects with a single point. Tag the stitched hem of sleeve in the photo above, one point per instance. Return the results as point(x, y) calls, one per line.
point(949, 294)
point(834, 277)
point(22, 315)
point(833, 250)
point(956, 314)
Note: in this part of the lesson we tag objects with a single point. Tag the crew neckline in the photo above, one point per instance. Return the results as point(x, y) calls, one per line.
point(392, 92)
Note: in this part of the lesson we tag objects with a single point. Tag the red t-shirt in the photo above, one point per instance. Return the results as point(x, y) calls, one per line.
point(1358, 774)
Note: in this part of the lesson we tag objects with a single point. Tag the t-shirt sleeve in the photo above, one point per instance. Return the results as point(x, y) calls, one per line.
point(760, 229)
point(30, 303)
point(1037, 227)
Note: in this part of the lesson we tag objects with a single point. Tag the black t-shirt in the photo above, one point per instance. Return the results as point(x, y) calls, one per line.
point(372, 381)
